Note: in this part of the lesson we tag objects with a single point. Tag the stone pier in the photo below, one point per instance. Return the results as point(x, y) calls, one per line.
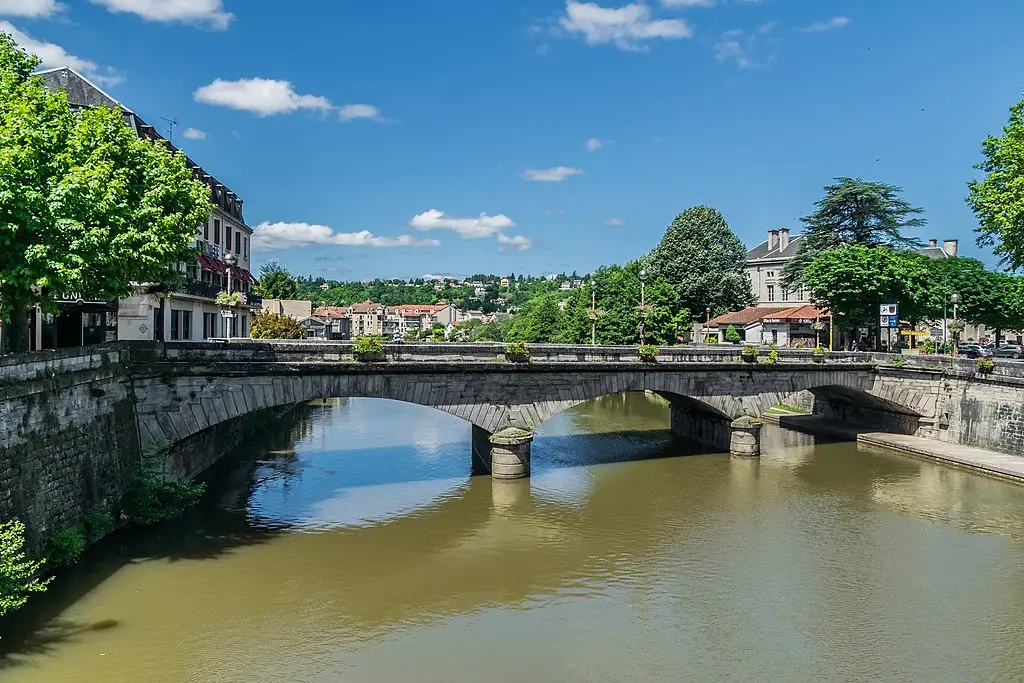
point(510, 454)
point(481, 452)
point(746, 438)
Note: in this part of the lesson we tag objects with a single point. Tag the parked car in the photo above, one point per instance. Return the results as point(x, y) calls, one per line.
point(1014, 351)
point(975, 351)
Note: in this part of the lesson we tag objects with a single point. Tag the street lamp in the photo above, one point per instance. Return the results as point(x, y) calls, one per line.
point(593, 313)
point(643, 305)
point(229, 261)
point(956, 328)
point(707, 324)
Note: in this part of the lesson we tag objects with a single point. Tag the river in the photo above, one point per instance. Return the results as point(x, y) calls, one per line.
point(355, 547)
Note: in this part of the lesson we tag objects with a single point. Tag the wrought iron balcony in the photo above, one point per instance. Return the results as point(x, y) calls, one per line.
point(206, 290)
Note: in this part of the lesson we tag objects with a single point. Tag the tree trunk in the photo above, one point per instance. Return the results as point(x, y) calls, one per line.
point(16, 325)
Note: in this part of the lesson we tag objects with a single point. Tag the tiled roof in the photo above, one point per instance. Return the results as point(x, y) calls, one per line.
point(751, 314)
point(934, 253)
point(762, 251)
point(800, 313)
point(366, 307)
point(331, 312)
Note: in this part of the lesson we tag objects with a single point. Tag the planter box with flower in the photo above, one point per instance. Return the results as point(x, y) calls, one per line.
point(517, 352)
point(229, 300)
point(986, 366)
point(749, 354)
point(648, 353)
point(819, 354)
point(369, 349)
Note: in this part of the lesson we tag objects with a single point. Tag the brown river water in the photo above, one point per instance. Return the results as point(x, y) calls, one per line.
point(354, 546)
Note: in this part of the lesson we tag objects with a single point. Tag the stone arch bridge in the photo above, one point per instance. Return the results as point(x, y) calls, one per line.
point(184, 390)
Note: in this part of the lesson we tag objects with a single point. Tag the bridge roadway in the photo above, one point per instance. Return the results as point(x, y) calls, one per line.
point(181, 390)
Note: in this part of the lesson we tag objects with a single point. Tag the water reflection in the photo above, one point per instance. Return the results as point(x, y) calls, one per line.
point(357, 548)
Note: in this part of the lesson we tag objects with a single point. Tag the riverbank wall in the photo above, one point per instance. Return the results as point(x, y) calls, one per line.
point(69, 437)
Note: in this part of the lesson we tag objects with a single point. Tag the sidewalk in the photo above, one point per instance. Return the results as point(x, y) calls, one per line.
point(995, 464)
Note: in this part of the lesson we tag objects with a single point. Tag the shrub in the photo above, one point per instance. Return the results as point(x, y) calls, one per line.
point(18, 575)
point(710, 340)
point(151, 498)
point(517, 349)
point(732, 336)
point(820, 351)
point(276, 326)
point(750, 351)
point(65, 547)
point(986, 366)
point(369, 346)
point(98, 523)
point(648, 353)
point(772, 358)
point(897, 362)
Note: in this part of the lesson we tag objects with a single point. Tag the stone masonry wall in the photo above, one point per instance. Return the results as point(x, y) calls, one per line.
point(68, 436)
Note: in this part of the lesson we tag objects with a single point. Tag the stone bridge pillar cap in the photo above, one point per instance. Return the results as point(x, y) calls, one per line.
point(746, 422)
point(511, 436)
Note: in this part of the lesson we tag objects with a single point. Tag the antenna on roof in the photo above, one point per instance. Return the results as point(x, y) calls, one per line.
point(171, 123)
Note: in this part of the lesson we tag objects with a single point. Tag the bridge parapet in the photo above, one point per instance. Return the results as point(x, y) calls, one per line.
point(250, 351)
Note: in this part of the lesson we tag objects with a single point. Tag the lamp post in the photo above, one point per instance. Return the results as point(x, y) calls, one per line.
point(229, 261)
point(707, 324)
point(643, 305)
point(593, 312)
point(956, 328)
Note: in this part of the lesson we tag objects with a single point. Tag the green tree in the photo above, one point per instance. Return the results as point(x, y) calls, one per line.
point(732, 335)
point(276, 283)
point(85, 204)
point(276, 326)
point(540, 321)
point(618, 313)
point(853, 212)
point(704, 261)
point(19, 576)
point(998, 200)
point(981, 300)
point(853, 281)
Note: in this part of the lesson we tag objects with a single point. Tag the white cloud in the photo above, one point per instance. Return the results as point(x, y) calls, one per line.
point(614, 222)
point(351, 112)
point(466, 228)
point(279, 236)
point(687, 3)
point(625, 27)
point(261, 96)
point(594, 144)
point(30, 8)
point(733, 46)
point(827, 25)
point(555, 174)
point(194, 134)
point(204, 12)
point(729, 48)
point(53, 56)
point(514, 242)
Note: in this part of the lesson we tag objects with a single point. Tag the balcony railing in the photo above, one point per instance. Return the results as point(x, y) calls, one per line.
point(207, 290)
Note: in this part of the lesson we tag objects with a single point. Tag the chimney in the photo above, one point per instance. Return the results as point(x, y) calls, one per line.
point(933, 244)
point(773, 240)
point(951, 247)
point(783, 239)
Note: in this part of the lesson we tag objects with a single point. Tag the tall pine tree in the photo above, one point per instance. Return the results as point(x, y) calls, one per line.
point(854, 212)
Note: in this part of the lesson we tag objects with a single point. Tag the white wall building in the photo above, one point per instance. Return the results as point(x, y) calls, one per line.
point(187, 310)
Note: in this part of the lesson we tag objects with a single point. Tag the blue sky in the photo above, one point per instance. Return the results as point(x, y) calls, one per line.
point(459, 136)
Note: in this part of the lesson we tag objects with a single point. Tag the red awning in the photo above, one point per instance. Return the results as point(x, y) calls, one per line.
point(217, 266)
point(211, 264)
